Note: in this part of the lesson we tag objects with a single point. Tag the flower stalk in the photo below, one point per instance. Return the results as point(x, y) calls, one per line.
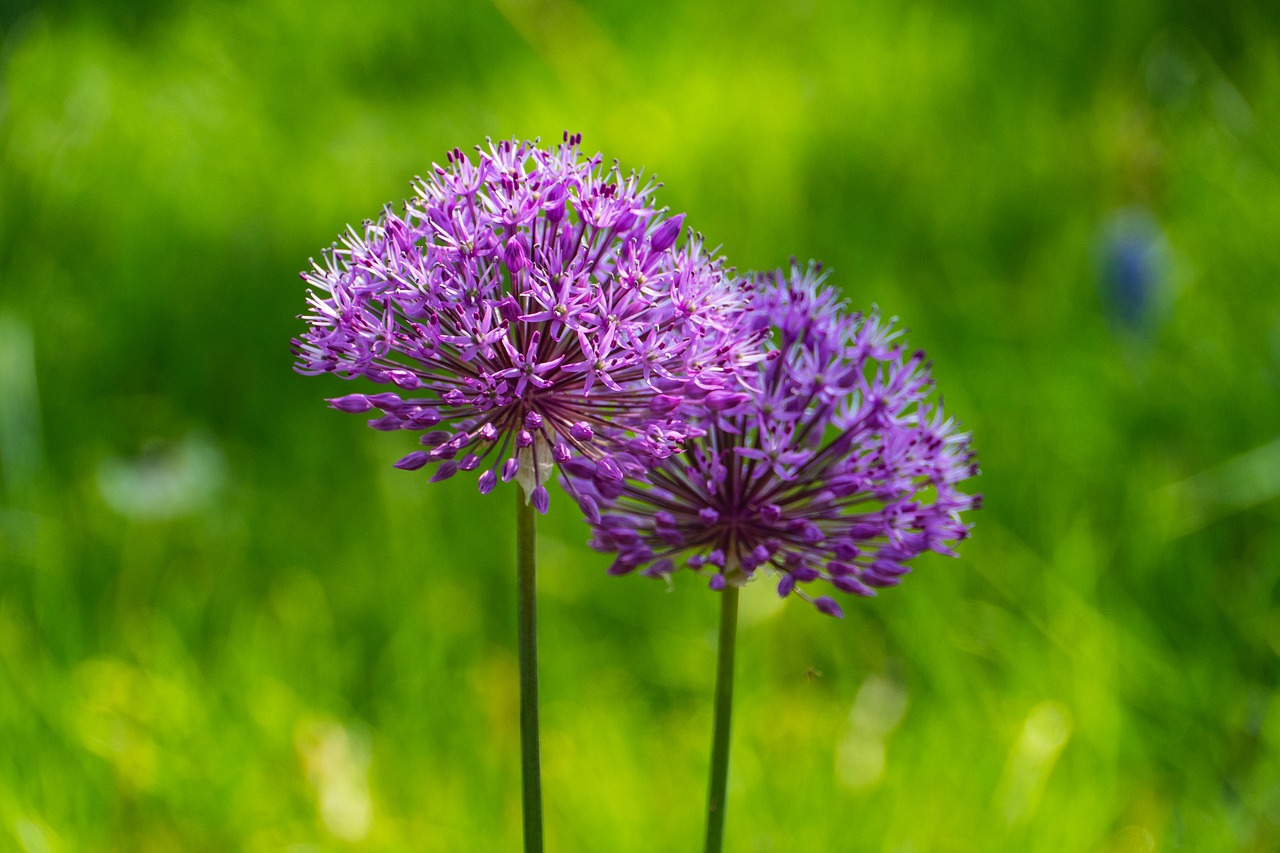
point(527, 642)
point(723, 714)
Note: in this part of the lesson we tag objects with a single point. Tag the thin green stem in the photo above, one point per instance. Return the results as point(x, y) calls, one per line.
point(527, 630)
point(723, 712)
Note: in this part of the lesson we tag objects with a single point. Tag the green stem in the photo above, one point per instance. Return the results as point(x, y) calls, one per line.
point(723, 712)
point(527, 630)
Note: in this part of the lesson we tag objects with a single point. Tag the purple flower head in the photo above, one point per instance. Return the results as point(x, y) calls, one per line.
point(528, 309)
point(835, 474)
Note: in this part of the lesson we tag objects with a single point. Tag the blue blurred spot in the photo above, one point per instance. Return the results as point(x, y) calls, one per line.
point(1133, 269)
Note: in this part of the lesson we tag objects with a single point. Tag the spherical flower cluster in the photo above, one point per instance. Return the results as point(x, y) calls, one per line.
point(837, 472)
point(529, 308)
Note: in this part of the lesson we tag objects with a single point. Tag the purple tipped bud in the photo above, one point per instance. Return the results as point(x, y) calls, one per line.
point(609, 470)
point(624, 221)
point(889, 568)
point(716, 558)
point(785, 585)
point(852, 585)
point(487, 481)
point(509, 309)
point(608, 489)
point(524, 438)
point(581, 431)
point(718, 401)
point(532, 420)
point(541, 500)
point(405, 379)
point(385, 399)
point(353, 403)
point(666, 233)
point(622, 566)
point(579, 468)
point(708, 515)
point(663, 404)
point(514, 256)
point(771, 513)
point(663, 567)
point(488, 432)
point(846, 551)
point(717, 582)
point(413, 461)
point(828, 605)
point(424, 417)
point(445, 471)
point(435, 438)
point(804, 574)
point(469, 462)
point(509, 470)
point(561, 452)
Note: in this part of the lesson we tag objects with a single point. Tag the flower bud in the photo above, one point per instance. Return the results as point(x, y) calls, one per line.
point(666, 233)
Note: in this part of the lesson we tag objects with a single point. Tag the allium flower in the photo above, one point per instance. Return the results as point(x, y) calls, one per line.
point(528, 308)
point(835, 474)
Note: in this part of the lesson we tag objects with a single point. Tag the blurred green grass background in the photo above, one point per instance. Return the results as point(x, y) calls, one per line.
point(226, 623)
